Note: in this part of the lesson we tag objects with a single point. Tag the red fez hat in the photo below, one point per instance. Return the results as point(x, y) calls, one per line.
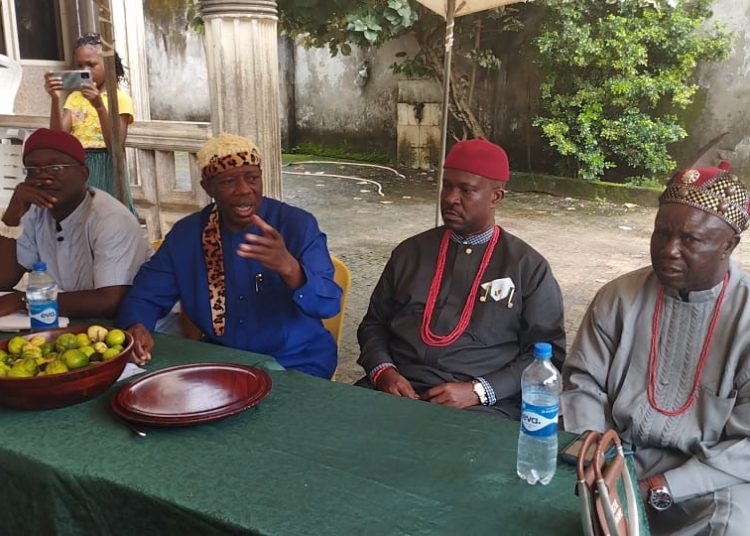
point(480, 157)
point(57, 140)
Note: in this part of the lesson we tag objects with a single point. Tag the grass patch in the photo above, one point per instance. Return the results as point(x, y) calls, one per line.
point(645, 182)
point(310, 149)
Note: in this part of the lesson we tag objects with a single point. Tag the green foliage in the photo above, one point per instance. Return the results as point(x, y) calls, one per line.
point(411, 66)
point(193, 17)
point(616, 74)
point(338, 25)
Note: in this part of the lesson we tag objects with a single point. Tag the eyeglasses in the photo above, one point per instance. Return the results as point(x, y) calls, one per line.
point(55, 169)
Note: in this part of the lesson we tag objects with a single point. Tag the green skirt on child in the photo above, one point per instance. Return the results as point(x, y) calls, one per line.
point(102, 176)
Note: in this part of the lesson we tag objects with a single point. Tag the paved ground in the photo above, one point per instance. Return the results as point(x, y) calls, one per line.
point(587, 243)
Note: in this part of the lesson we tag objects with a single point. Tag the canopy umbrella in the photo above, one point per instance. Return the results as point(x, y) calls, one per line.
point(450, 9)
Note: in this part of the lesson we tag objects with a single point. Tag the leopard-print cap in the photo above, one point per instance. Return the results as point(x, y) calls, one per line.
point(226, 151)
point(713, 190)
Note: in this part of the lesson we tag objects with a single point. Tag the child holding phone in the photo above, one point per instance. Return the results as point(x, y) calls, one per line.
point(85, 114)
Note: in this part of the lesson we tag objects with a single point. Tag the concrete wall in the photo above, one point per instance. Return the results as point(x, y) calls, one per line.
point(334, 104)
point(724, 101)
point(178, 84)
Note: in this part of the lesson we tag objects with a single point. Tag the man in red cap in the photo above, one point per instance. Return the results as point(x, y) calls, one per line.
point(457, 310)
point(92, 245)
point(663, 357)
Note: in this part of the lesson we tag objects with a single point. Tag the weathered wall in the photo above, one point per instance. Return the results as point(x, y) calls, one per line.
point(723, 104)
point(176, 64)
point(335, 105)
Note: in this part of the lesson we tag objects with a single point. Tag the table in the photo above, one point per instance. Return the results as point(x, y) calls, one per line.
point(315, 457)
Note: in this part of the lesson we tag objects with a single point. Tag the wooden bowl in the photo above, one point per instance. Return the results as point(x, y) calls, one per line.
point(58, 390)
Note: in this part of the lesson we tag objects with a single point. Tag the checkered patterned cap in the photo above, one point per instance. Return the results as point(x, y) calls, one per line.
point(714, 190)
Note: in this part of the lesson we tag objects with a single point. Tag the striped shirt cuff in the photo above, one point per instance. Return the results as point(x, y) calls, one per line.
point(374, 372)
point(491, 398)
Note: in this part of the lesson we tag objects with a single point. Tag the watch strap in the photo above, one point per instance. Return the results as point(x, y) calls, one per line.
point(659, 496)
point(481, 392)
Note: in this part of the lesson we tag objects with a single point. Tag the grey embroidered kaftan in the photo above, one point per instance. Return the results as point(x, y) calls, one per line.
point(703, 453)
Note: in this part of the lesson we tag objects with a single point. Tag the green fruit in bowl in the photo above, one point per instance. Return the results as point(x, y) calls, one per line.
point(115, 337)
point(88, 350)
point(47, 348)
point(4, 369)
point(75, 359)
point(100, 347)
point(18, 371)
point(56, 367)
point(111, 353)
point(4, 357)
point(66, 341)
point(15, 345)
point(31, 352)
point(28, 364)
point(83, 339)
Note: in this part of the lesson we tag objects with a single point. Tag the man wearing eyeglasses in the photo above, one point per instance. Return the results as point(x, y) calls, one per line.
point(92, 245)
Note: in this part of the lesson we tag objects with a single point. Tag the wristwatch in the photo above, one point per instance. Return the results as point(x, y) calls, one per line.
point(659, 497)
point(480, 392)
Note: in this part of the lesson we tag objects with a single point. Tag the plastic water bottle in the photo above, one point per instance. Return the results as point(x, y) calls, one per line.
point(537, 441)
point(41, 298)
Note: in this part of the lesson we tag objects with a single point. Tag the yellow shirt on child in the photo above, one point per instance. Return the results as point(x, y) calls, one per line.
point(85, 120)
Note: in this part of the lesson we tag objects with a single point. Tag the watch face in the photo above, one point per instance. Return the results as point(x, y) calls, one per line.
point(660, 499)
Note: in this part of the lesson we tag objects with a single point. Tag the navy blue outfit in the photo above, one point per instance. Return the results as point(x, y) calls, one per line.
point(263, 314)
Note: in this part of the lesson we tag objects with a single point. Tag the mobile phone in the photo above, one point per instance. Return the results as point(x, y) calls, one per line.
point(73, 79)
point(571, 451)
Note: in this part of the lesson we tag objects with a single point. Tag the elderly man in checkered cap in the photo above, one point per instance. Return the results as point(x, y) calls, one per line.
point(663, 357)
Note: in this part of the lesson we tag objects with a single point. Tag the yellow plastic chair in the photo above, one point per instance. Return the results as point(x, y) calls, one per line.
point(343, 278)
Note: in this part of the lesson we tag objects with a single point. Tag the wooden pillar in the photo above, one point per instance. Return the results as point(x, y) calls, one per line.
point(243, 77)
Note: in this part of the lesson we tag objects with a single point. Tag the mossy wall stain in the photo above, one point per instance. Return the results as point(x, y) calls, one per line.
point(176, 64)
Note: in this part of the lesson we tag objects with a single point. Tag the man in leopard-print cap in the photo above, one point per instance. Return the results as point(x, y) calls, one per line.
point(251, 272)
point(662, 357)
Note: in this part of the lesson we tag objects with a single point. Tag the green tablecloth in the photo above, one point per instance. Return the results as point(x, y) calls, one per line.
point(315, 457)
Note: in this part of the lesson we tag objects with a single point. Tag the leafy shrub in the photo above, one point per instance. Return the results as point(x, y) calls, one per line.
point(617, 72)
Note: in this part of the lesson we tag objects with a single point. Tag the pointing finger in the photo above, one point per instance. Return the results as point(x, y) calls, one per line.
point(263, 226)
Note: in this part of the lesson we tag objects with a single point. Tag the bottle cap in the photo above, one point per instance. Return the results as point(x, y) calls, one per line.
point(543, 350)
point(39, 266)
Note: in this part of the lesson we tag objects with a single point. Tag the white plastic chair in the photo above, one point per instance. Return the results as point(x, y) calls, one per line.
point(11, 161)
point(10, 81)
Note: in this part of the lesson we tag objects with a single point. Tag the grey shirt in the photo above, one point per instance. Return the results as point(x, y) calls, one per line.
point(100, 244)
point(606, 374)
point(498, 342)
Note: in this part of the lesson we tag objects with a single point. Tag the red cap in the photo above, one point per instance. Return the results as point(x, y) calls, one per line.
point(480, 157)
point(57, 140)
